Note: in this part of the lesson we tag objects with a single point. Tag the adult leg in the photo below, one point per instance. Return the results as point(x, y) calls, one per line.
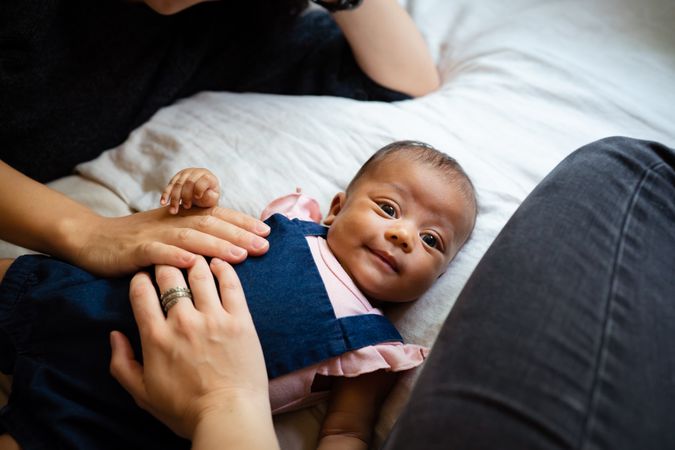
point(7, 442)
point(563, 336)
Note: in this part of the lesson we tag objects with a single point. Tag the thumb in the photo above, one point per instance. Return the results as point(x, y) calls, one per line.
point(210, 198)
point(213, 194)
point(125, 369)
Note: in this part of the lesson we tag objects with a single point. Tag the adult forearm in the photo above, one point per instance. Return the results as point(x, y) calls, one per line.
point(388, 46)
point(37, 217)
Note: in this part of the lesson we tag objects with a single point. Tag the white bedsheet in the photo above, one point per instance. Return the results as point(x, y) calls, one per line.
point(525, 83)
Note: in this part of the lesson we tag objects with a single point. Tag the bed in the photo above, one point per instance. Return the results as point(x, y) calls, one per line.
point(525, 83)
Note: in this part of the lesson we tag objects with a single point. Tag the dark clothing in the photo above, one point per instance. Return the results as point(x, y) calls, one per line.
point(55, 320)
point(563, 336)
point(77, 76)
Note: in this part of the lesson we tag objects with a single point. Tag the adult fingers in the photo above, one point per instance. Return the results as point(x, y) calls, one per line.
point(145, 305)
point(158, 237)
point(125, 369)
point(219, 230)
point(241, 220)
point(211, 242)
point(167, 278)
point(222, 220)
point(203, 286)
point(237, 228)
point(231, 293)
point(159, 253)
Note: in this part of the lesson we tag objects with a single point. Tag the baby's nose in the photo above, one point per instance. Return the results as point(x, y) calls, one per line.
point(400, 237)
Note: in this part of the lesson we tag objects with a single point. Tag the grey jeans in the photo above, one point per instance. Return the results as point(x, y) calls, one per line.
point(564, 336)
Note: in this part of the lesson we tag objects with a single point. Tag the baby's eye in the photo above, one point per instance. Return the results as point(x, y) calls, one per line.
point(388, 209)
point(430, 240)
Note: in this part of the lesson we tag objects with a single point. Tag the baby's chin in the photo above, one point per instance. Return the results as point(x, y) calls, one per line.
point(398, 300)
point(387, 297)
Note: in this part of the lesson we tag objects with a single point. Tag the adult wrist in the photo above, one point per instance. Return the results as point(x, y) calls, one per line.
point(236, 421)
point(73, 232)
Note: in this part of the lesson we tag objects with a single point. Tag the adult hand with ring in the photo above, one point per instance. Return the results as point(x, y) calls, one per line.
point(203, 373)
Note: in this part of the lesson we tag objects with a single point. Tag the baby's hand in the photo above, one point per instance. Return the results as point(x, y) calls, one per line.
point(191, 186)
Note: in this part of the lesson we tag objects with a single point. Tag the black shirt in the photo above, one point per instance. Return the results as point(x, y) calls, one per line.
point(77, 76)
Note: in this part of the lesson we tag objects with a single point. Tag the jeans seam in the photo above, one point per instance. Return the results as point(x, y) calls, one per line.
point(601, 355)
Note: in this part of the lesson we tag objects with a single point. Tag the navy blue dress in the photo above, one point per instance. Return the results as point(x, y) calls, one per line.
point(55, 320)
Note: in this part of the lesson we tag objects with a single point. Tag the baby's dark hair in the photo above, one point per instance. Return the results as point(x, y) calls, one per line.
point(417, 151)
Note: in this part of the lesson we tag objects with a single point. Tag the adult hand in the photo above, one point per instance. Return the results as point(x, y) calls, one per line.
point(42, 219)
point(115, 246)
point(203, 373)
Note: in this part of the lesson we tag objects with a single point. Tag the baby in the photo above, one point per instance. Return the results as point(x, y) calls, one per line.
point(389, 236)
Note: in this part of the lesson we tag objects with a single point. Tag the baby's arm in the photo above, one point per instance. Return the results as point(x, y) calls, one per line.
point(388, 46)
point(354, 405)
point(191, 186)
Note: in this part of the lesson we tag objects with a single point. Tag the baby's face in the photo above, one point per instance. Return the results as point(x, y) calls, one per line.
point(398, 228)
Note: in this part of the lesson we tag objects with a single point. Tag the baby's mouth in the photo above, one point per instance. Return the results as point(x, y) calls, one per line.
point(386, 258)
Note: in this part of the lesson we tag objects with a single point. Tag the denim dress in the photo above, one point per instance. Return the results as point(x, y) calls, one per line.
point(55, 321)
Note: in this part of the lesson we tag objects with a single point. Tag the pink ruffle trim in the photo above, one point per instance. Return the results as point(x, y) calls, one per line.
point(293, 391)
point(392, 357)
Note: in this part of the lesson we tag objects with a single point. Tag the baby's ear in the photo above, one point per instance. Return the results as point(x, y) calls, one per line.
point(335, 208)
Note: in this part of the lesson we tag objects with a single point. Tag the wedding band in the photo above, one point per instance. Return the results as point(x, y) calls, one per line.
point(170, 297)
point(185, 290)
point(167, 306)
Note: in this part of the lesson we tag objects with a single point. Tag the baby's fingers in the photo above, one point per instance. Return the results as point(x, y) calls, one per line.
point(176, 194)
point(204, 183)
point(206, 191)
point(166, 195)
point(187, 193)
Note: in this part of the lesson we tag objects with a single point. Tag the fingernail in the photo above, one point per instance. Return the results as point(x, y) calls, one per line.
point(262, 228)
point(259, 243)
point(216, 261)
point(237, 252)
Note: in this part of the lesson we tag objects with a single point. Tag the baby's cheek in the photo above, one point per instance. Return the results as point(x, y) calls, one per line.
point(425, 279)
